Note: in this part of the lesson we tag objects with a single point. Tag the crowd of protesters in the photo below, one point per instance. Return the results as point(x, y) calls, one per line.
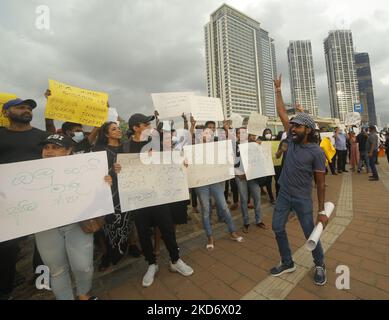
point(68, 249)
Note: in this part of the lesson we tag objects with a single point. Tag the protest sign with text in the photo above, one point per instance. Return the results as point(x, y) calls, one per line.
point(209, 163)
point(68, 103)
point(257, 124)
point(257, 159)
point(43, 194)
point(171, 104)
point(144, 183)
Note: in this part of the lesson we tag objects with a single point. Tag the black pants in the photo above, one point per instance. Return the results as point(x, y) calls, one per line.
point(159, 216)
point(234, 190)
point(36, 259)
point(342, 155)
point(332, 165)
point(372, 163)
point(8, 257)
point(193, 197)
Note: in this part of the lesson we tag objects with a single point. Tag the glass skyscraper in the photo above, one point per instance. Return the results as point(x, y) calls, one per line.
point(241, 63)
point(302, 76)
point(341, 72)
point(365, 84)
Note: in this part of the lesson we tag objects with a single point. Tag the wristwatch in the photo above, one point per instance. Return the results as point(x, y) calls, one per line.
point(322, 212)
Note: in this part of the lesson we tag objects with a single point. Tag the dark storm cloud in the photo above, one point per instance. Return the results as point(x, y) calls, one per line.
point(132, 48)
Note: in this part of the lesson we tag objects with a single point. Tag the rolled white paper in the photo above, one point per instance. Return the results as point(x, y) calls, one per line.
point(316, 233)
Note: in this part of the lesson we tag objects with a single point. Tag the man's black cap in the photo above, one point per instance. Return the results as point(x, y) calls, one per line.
point(138, 118)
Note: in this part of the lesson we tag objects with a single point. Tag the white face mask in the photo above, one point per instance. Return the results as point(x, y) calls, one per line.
point(78, 137)
point(268, 136)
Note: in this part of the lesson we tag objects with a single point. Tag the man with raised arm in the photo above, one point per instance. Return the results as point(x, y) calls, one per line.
point(304, 160)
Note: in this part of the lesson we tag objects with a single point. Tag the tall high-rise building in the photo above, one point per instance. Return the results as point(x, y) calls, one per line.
point(241, 63)
point(302, 76)
point(365, 85)
point(341, 72)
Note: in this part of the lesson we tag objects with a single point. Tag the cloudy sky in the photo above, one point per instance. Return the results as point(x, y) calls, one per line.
point(135, 47)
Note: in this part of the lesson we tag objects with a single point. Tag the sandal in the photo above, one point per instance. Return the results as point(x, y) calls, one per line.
point(210, 247)
point(237, 239)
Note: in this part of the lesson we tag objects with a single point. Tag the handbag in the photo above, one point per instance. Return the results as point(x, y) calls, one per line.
point(92, 225)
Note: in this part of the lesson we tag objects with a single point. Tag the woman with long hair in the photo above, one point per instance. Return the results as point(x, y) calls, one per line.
point(116, 228)
point(354, 151)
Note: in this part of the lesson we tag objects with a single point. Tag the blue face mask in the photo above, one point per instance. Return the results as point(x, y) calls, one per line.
point(78, 137)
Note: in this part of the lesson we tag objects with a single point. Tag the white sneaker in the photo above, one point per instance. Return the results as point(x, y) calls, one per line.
point(148, 278)
point(181, 267)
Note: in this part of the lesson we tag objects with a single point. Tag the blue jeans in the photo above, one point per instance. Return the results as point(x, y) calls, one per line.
point(304, 210)
point(363, 157)
point(372, 161)
point(63, 247)
point(243, 187)
point(204, 194)
point(219, 207)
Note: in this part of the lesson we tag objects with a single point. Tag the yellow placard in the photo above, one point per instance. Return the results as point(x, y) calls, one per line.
point(5, 97)
point(328, 148)
point(68, 103)
point(274, 149)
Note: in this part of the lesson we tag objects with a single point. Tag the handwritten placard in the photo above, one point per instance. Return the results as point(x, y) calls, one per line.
point(68, 103)
point(143, 184)
point(43, 194)
point(112, 115)
point(257, 159)
point(205, 108)
point(352, 118)
point(329, 135)
point(236, 120)
point(171, 104)
point(257, 124)
point(209, 163)
point(4, 97)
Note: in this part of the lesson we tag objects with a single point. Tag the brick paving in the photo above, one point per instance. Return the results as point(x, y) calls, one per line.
point(357, 237)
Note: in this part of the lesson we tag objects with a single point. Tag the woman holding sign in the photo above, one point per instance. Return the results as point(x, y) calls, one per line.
point(216, 190)
point(245, 185)
point(66, 247)
point(116, 228)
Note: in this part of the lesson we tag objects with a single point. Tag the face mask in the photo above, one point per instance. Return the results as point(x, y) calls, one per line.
point(175, 140)
point(78, 137)
point(146, 134)
point(268, 136)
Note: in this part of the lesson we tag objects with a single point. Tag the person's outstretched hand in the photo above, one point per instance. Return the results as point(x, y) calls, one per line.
point(277, 82)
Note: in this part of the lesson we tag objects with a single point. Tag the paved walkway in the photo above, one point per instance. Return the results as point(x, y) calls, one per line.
point(357, 237)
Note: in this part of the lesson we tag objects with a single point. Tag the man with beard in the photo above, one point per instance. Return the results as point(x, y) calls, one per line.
point(18, 142)
point(303, 160)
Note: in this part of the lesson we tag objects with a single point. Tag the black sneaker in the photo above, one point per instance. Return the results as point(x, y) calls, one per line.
point(282, 268)
point(320, 278)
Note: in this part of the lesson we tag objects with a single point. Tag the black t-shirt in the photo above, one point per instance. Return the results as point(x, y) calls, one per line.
point(361, 139)
point(82, 147)
point(18, 146)
point(132, 146)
